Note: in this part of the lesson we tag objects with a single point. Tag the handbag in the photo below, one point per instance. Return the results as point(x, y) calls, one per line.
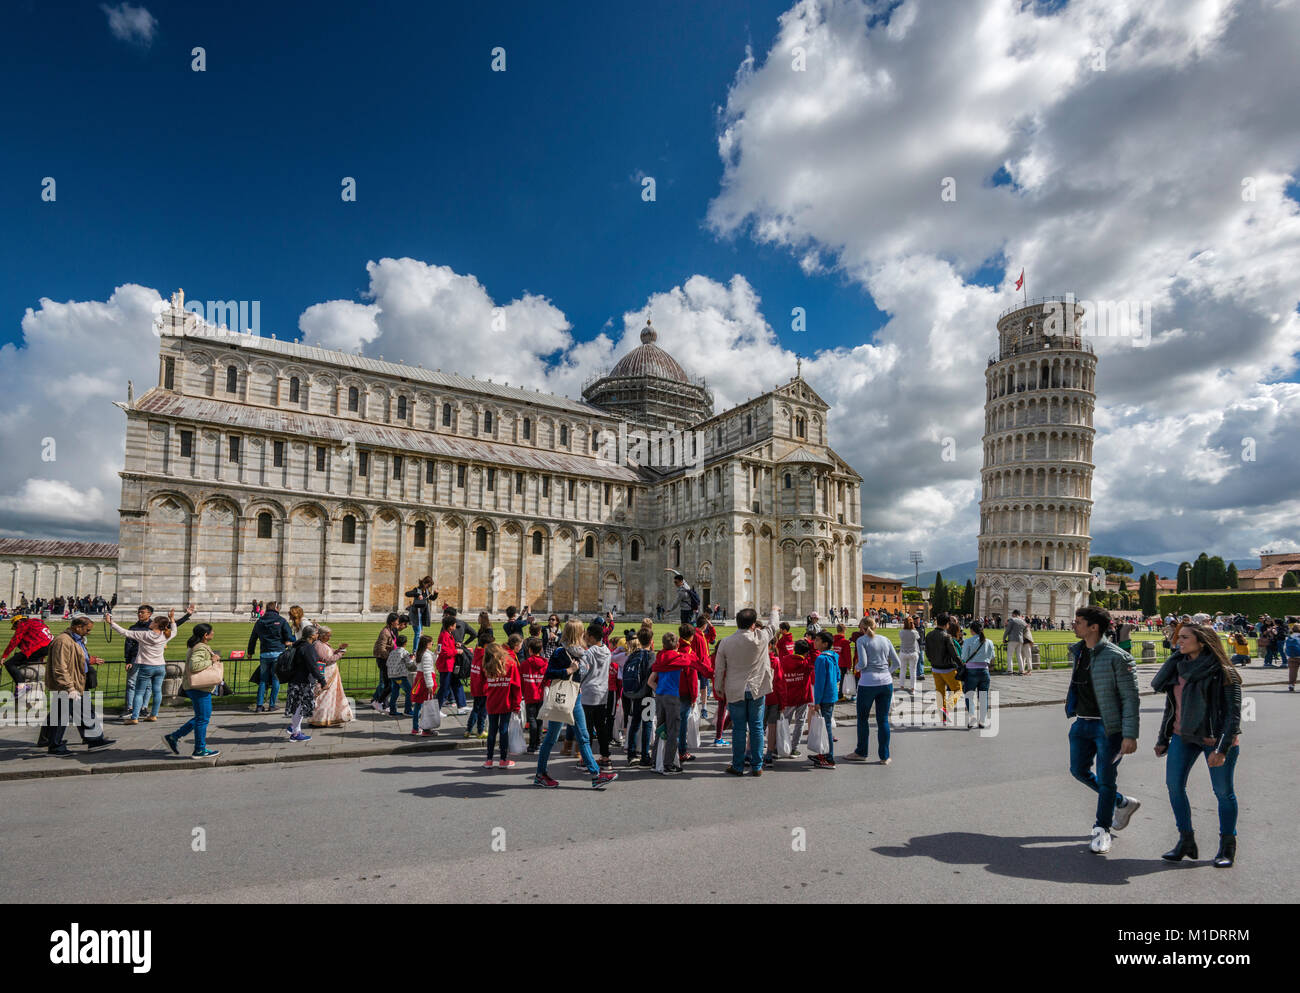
point(206, 679)
point(430, 715)
point(558, 703)
point(92, 678)
point(783, 748)
point(693, 730)
point(515, 737)
point(818, 739)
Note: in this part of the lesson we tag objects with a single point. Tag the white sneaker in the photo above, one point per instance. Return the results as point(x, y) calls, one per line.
point(1125, 813)
point(462, 712)
point(1100, 840)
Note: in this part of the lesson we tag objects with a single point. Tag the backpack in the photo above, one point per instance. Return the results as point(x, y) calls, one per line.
point(636, 670)
point(1292, 646)
point(695, 599)
point(284, 664)
point(463, 659)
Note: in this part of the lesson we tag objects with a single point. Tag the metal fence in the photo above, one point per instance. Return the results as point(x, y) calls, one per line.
point(359, 674)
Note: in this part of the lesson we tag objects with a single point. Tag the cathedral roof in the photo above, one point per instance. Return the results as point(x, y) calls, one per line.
point(803, 455)
point(320, 428)
point(648, 359)
point(58, 549)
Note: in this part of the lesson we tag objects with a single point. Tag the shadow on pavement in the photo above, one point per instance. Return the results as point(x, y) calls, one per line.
point(1068, 860)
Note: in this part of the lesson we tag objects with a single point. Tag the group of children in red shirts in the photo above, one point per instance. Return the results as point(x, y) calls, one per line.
point(510, 679)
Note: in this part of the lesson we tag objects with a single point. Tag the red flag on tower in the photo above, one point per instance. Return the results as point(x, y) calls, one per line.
point(1021, 281)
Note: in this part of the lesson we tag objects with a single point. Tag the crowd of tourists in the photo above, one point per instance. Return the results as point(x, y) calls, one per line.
point(600, 694)
point(58, 606)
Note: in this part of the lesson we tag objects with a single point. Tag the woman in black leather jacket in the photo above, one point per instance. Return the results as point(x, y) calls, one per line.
point(1202, 717)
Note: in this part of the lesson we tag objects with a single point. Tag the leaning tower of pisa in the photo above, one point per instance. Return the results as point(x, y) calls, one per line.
point(1036, 500)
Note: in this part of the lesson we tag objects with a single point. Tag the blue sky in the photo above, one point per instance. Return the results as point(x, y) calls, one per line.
point(227, 182)
point(776, 189)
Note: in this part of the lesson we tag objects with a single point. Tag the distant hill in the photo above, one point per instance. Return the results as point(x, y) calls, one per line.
point(962, 571)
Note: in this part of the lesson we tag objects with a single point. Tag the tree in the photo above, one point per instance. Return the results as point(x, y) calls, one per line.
point(1110, 563)
point(1232, 576)
point(968, 599)
point(1150, 605)
point(1184, 576)
point(939, 596)
point(1217, 574)
point(1289, 581)
point(1201, 572)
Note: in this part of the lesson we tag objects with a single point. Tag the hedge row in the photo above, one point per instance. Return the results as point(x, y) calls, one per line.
point(1252, 603)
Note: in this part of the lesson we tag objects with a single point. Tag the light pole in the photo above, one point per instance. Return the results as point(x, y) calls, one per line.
point(916, 560)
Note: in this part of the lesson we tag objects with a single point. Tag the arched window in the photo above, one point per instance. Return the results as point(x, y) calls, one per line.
point(264, 525)
point(564, 434)
point(636, 550)
point(487, 422)
point(589, 547)
point(401, 408)
point(800, 427)
point(537, 543)
point(354, 398)
point(349, 529)
point(294, 389)
point(787, 480)
point(446, 415)
point(677, 554)
point(528, 429)
point(232, 379)
point(420, 533)
point(480, 539)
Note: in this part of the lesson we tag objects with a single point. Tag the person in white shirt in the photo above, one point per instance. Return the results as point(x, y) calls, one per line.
point(909, 640)
point(976, 655)
point(876, 660)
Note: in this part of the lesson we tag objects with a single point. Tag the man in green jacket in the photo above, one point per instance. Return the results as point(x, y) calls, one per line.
point(1103, 700)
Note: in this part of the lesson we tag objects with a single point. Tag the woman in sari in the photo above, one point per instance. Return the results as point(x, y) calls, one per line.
point(331, 706)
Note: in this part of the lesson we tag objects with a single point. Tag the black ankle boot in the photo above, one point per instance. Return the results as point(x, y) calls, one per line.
point(1227, 851)
point(1186, 847)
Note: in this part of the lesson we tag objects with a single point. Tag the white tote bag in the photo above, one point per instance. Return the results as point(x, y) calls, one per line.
point(430, 716)
point(515, 737)
point(693, 729)
point(783, 738)
point(850, 685)
point(818, 741)
point(618, 716)
point(558, 703)
point(659, 755)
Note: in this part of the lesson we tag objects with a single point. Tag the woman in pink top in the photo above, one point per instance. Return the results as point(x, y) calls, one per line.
point(150, 666)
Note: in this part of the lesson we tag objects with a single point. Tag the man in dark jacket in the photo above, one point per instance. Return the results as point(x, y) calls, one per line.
point(942, 654)
point(1103, 700)
point(275, 634)
point(131, 647)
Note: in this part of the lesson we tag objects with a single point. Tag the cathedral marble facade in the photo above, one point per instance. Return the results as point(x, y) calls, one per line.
point(274, 470)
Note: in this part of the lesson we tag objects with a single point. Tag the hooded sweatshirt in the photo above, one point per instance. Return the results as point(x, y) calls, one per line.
point(595, 682)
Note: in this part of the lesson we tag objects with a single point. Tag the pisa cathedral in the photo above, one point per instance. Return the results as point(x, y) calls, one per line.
point(1036, 502)
point(273, 470)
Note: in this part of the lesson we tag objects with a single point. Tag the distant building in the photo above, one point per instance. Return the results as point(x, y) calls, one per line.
point(881, 593)
point(1273, 567)
point(40, 568)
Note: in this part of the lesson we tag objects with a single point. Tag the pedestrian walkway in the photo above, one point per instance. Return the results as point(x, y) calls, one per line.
point(245, 738)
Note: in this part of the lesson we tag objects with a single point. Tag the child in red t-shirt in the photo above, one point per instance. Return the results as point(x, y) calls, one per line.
point(532, 673)
point(844, 648)
point(502, 695)
point(772, 713)
point(796, 689)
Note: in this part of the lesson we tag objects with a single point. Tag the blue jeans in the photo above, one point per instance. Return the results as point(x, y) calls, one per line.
point(747, 717)
point(148, 680)
point(477, 714)
point(681, 730)
point(976, 683)
point(202, 701)
point(266, 674)
point(450, 688)
point(881, 697)
point(131, 674)
point(1269, 655)
point(584, 742)
point(1179, 760)
point(1089, 741)
point(415, 714)
point(398, 684)
point(499, 729)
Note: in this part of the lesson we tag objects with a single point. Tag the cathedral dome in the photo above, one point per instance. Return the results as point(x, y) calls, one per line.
point(648, 359)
